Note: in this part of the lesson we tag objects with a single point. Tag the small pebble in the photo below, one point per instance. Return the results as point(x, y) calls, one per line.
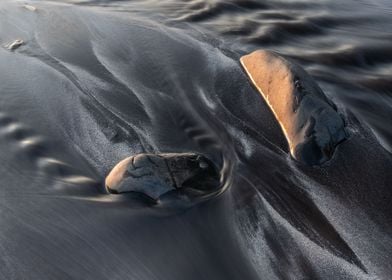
point(15, 44)
point(30, 8)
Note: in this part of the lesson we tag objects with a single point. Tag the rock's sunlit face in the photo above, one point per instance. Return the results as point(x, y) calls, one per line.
point(157, 174)
point(308, 119)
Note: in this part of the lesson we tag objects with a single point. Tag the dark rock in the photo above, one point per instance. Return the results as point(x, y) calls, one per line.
point(157, 174)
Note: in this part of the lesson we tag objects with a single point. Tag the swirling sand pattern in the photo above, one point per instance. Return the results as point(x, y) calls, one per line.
point(98, 81)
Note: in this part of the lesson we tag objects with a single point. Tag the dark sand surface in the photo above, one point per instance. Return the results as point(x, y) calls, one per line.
point(97, 81)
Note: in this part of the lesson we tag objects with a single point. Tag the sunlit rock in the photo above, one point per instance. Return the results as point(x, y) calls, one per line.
point(308, 119)
point(157, 174)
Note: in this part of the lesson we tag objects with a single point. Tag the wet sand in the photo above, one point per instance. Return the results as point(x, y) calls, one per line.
point(96, 82)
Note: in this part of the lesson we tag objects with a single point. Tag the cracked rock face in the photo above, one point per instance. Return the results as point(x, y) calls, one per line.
point(309, 120)
point(157, 174)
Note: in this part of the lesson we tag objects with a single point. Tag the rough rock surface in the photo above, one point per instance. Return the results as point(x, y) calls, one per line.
point(308, 119)
point(157, 174)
